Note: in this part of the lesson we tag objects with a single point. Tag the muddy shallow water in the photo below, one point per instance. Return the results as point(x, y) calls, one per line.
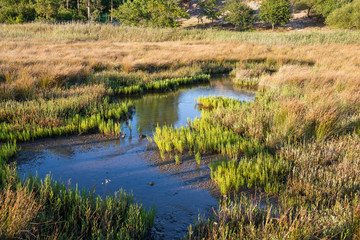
point(180, 192)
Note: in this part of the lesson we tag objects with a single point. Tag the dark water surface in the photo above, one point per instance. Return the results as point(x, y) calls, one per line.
point(91, 161)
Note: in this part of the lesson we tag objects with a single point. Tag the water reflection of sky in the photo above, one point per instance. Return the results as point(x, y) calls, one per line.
point(175, 108)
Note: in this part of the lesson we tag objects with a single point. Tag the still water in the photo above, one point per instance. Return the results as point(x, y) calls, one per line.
point(108, 165)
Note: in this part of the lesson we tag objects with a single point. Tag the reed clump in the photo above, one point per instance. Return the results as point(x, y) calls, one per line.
point(262, 170)
point(7, 151)
point(18, 210)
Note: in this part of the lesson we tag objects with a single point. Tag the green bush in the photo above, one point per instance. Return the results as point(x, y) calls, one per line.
point(65, 15)
point(346, 17)
point(238, 13)
point(326, 7)
point(154, 13)
point(275, 12)
point(47, 9)
point(210, 9)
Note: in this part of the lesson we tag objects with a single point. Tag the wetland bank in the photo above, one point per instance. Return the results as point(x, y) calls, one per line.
point(297, 140)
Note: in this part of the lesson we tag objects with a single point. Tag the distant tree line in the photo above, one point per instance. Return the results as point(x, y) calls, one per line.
point(16, 11)
point(166, 13)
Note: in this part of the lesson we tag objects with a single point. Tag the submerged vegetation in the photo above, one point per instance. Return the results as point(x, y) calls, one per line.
point(298, 141)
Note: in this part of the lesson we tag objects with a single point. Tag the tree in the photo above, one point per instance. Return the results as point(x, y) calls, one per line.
point(210, 9)
point(347, 16)
point(275, 12)
point(238, 13)
point(16, 11)
point(47, 9)
point(155, 13)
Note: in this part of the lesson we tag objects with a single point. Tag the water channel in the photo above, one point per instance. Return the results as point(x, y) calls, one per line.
point(108, 164)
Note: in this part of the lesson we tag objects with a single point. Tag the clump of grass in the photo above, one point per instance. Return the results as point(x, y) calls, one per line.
point(39, 119)
point(202, 136)
point(177, 159)
point(7, 151)
point(47, 208)
point(198, 158)
point(262, 170)
point(18, 210)
point(161, 85)
point(246, 82)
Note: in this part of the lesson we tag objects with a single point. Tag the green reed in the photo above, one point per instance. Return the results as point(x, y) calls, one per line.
point(161, 85)
point(262, 170)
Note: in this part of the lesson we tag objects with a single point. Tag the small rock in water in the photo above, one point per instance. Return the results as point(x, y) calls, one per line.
point(151, 183)
point(142, 136)
point(123, 136)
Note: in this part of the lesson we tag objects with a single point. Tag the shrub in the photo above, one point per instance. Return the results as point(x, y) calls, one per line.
point(47, 9)
point(238, 13)
point(150, 13)
point(346, 17)
point(210, 9)
point(326, 7)
point(275, 12)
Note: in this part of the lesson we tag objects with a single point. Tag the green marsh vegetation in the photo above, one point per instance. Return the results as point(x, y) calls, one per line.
point(298, 140)
point(290, 143)
point(37, 104)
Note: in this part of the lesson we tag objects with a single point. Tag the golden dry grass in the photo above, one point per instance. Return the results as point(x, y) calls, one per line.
point(17, 210)
point(68, 58)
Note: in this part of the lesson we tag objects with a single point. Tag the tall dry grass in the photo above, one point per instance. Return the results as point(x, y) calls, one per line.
point(18, 209)
point(95, 32)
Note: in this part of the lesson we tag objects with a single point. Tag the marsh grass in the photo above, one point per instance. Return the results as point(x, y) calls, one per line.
point(251, 83)
point(298, 139)
point(100, 32)
point(18, 210)
point(262, 170)
point(7, 151)
point(48, 209)
point(248, 218)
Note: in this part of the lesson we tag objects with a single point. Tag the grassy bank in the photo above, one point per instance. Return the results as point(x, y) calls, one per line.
point(101, 32)
point(299, 139)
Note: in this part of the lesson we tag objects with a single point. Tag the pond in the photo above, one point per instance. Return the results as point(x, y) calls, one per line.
point(132, 163)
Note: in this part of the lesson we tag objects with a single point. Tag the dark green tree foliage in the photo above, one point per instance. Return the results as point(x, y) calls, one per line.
point(154, 13)
point(346, 17)
point(238, 13)
point(276, 12)
point(47, 9)
point(210, 9)
point(15, 11)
